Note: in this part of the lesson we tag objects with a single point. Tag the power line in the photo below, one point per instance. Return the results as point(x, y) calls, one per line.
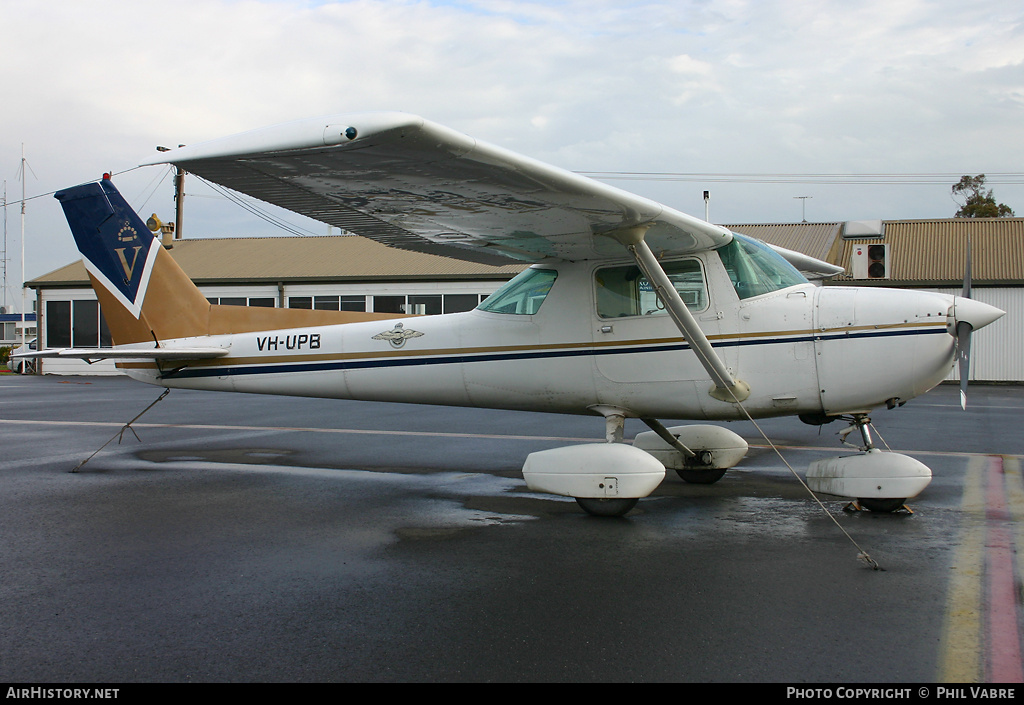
point(256, 210)
point(918, 179)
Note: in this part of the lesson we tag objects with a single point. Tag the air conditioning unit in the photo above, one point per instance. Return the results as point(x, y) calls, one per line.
point(870, 261)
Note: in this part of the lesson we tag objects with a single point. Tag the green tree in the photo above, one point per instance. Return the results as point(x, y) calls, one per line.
point(975, 202)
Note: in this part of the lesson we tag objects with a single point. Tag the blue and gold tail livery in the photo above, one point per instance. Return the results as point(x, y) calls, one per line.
point(118, 248)
point(145, 296)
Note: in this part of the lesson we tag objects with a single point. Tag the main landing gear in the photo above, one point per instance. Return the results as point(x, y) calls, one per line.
point(601, 507)
point(607, 479)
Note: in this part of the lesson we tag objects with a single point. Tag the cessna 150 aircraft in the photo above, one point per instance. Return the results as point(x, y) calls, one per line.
point(630, 309)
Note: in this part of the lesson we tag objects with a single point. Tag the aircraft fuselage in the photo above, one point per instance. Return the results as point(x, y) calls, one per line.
point(803, 349)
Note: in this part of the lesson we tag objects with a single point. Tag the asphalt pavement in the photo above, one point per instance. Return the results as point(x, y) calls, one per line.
point(243, 538)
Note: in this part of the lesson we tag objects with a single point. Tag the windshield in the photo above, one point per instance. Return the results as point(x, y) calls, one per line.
point(755, 269)
point(522, 295)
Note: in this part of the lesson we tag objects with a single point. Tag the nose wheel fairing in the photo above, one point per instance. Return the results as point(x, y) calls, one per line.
point(881, 482)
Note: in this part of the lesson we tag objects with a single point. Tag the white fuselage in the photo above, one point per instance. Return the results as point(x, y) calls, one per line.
point(802, 349)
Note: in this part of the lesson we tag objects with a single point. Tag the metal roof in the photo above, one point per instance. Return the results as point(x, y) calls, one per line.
point(327, 258)
point(934, 252)
point(814, 239)
point(922, 253)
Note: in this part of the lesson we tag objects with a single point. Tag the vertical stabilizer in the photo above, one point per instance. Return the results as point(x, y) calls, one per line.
point(144, 294)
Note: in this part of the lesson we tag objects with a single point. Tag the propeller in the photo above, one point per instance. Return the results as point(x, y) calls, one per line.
point(968, 316)
point(963, 335)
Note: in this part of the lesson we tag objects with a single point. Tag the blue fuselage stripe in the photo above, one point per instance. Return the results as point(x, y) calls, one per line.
point(329, 365)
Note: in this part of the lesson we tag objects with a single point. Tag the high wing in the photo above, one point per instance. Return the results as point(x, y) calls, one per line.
point(411, 183)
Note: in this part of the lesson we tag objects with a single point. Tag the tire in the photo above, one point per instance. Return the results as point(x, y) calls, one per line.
point(701, 477)
point(606, 507)
point(882, 506)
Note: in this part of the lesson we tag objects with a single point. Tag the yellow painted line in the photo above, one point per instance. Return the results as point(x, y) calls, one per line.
point(961, 642)
point(977, 614)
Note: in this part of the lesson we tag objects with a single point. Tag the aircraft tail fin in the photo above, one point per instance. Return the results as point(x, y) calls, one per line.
point(144, 294)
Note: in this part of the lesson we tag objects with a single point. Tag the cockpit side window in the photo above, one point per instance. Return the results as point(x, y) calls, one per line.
point(755, 269)
point(523, 294)
point(624, 291)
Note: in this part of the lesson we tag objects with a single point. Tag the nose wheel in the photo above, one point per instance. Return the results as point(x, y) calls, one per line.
point(882, 506)
point(862, 423)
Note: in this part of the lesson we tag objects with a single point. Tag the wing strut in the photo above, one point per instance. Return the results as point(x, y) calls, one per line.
point(726, 388)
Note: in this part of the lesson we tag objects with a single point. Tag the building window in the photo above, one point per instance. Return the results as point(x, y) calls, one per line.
point(457, 303)
point(261, 301)
point(389, 304)
point(85, 324)
point(353, 303)
point(300, 302)
point(58, 324)
point(428, 304)
point(326, 303)
point(76, 324)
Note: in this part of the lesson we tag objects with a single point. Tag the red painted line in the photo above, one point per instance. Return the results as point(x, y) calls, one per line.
point(1004, 651)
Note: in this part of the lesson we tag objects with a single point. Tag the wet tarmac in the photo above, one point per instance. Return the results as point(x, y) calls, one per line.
point(272, 539)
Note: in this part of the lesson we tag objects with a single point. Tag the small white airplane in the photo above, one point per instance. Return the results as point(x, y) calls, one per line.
point(630, 310)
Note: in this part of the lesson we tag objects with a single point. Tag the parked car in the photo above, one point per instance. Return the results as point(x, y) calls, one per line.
point(16, 365)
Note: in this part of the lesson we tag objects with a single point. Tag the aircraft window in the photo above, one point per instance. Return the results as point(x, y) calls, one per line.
point(755, 269)
point(624, 291)
point(523, 295)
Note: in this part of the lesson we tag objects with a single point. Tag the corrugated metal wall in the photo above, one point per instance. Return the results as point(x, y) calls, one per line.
point(997, 351)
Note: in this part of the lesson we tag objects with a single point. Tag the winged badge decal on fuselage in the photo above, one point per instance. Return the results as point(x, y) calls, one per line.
point(398, 335)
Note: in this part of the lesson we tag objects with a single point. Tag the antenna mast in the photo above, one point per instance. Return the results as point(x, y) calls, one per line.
point(803, 206)
point(24, 176)
point(3, 255)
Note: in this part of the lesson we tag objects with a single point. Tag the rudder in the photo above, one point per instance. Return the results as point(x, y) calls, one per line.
point(144, 294)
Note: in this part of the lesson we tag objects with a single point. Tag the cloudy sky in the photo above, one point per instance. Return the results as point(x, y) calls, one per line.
point(904, 95)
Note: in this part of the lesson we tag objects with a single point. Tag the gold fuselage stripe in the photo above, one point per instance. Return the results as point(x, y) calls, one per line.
point(773, 336)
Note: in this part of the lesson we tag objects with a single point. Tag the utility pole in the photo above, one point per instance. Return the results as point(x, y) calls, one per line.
point(803, 207)
point(24, 178)
point(3, 257)
point(179, 200)
point(707, 213)
point(179, 194)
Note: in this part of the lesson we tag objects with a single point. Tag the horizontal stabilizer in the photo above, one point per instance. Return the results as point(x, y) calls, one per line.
point(129, 353)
